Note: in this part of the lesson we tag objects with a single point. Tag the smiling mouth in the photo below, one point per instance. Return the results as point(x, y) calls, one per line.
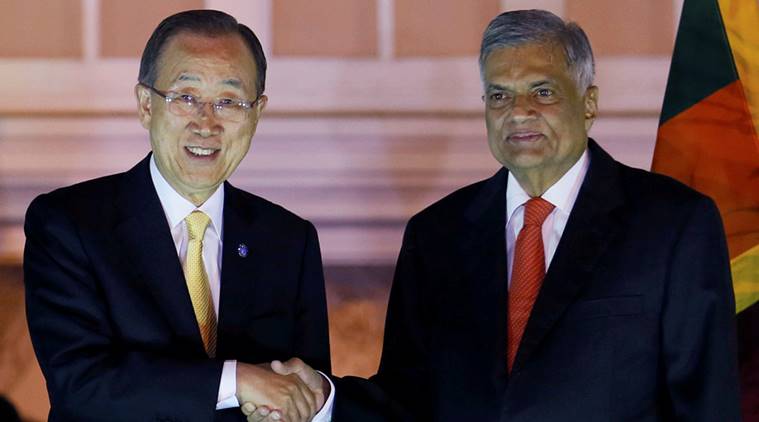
point(201, 152)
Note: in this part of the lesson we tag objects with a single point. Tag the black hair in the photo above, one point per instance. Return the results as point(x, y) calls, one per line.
point(203, 22)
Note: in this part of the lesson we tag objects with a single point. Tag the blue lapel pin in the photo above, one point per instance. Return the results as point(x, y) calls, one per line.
point(242, 250)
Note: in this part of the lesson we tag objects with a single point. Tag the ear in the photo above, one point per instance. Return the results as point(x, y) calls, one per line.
point(144, 110)
point(590, 100)
point(258, 109)
point(261, 105)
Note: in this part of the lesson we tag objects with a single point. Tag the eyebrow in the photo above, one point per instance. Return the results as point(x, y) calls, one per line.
point(186, 77)
point(234, 83)
point(541, 83)
point(496, 87)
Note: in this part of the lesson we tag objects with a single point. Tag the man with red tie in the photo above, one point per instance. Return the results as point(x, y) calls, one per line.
point(568, 286)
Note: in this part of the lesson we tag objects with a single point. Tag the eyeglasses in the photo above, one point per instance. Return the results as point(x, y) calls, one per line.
point(229, 109)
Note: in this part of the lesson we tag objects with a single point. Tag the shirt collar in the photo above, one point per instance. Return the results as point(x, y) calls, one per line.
point(561, 194)
point(177, 207)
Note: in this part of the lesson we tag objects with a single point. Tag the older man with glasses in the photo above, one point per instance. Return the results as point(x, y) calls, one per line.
point(163, 293)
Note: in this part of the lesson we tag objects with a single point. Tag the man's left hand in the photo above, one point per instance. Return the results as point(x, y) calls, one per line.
point(260, 414)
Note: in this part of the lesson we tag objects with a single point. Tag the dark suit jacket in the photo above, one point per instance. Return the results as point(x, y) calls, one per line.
point(111, 319)
point(634, 321)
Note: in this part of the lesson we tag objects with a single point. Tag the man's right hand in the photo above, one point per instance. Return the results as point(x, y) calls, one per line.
point(288, 394)
point(315, 381)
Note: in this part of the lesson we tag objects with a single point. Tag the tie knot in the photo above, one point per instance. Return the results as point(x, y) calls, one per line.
point(197, 222)
point(536, 210)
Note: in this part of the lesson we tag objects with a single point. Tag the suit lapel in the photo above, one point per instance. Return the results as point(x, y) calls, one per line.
point(484, 268)
point(149, 249)
point(591, 225)
point(239, 271)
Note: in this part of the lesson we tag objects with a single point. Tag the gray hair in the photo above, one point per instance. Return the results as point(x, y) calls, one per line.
point(519, 27)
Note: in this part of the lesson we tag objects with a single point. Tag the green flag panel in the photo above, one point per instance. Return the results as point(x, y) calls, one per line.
point(702, 62)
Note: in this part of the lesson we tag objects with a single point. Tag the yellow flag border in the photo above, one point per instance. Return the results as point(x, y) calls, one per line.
point(745, 270)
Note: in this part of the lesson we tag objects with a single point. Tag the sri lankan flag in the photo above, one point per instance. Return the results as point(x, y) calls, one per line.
point(708, 139)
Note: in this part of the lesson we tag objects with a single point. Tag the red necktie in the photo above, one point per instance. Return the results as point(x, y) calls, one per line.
point(528, 272)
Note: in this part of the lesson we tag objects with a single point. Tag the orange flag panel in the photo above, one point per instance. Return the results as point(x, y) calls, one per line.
point(712, 147)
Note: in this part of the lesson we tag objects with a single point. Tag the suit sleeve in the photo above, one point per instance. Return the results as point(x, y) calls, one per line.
point(378, 399)
point(312, 331)
point(698, 322)
point(90, 376)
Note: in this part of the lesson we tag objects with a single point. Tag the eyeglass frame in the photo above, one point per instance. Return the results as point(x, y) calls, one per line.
point(199, 105)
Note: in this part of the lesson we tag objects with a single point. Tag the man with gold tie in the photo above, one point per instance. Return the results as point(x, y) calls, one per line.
point(163, 293)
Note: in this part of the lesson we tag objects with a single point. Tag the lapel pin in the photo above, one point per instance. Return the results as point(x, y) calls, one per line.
point(242, 250)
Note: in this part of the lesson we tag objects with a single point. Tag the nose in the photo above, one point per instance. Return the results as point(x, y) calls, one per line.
point(206, 124)
point(523, 108)
point(205, 110)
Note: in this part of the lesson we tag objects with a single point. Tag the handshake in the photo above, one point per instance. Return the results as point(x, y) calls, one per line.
point(286, 392)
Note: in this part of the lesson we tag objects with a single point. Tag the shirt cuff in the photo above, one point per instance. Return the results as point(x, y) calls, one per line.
point(228, 386)
point(325, 413)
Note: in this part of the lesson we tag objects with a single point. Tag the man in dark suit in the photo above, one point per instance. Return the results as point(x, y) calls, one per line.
point(163, 292)
point(567, 287)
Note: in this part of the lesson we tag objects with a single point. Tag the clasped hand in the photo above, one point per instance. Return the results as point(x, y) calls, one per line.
point(285, 392)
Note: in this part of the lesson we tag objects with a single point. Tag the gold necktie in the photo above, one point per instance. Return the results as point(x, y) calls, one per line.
point(197, 281)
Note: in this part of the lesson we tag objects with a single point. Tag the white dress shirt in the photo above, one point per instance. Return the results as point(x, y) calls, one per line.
point(176, 209)
point(562, 195)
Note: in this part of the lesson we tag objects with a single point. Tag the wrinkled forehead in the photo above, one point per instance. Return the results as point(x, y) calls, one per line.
point(547, 45)
point(544, 55)
point(189, 55)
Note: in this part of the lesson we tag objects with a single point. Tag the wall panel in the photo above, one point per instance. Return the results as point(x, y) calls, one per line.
point(125, 26)
point(643, 27)
point(331, 28)
point(441, 27)
point(41, 29)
